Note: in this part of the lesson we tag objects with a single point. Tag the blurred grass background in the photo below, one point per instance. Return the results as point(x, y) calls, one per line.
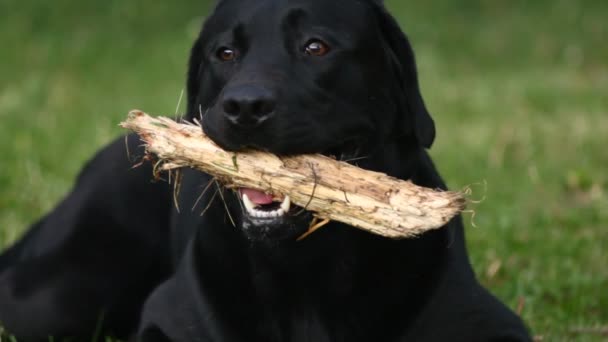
point(519, 91)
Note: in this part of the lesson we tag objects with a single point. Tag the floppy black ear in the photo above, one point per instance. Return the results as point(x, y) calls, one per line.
point(197, 75)
point(193, 83)
point(405, 64)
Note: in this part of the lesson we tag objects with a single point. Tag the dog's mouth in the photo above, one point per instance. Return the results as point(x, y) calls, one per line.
point(262, 206)
point(275, 217)
point(271, 217)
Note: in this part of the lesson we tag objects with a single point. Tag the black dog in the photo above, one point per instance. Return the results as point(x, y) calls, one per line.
point(289, 77)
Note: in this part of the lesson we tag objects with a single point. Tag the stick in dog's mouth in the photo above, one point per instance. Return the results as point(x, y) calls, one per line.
point(325, 187)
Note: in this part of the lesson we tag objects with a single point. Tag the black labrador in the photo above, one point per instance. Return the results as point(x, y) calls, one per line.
point(289, 77)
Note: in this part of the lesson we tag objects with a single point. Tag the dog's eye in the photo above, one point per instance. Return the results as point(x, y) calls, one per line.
point(226, 54)
point(317, 48)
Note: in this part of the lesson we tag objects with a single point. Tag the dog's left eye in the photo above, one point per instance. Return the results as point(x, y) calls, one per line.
point(226, 54)
point(316, 48)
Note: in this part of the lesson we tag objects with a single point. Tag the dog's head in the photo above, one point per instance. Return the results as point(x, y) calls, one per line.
point(293, 77)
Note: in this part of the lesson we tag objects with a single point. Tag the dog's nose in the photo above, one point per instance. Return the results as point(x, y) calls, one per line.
point(248, 105)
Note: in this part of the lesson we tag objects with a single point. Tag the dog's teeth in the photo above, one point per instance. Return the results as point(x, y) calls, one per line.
point(257, 213)
point(249, 205)
point(286, 204)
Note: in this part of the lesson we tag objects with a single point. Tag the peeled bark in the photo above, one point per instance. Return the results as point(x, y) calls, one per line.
point(332, 189)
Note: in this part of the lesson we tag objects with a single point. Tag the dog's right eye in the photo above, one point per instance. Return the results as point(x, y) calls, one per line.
point(226, 54)
point(316, 47)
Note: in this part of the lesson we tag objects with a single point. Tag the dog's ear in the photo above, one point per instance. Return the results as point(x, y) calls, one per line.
point(193, 83)
point(405, 65)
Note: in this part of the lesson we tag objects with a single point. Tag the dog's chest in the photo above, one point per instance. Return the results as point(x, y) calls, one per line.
point(307, 327)
point(308, 324)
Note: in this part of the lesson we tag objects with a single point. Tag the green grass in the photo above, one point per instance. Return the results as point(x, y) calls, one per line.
point(517, 88)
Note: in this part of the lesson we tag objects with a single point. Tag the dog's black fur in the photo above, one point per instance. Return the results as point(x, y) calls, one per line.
point(116, 254)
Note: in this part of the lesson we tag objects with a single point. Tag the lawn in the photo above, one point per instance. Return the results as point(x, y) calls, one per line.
point(518, 90)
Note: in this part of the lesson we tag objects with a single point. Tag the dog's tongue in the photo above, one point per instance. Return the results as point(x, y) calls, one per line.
point(256, 196)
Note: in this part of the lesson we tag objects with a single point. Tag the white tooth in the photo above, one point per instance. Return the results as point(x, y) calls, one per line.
point(249, 205)
point(251, 208)
point(286, 204)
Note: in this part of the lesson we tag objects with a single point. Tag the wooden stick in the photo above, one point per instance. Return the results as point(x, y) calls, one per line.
point(333, 190)
point(314, 226)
